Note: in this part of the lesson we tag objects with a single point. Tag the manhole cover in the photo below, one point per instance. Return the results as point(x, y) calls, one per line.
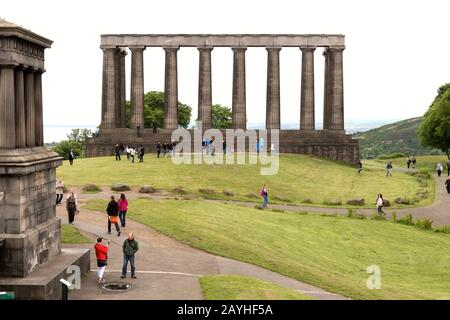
point(116, 286)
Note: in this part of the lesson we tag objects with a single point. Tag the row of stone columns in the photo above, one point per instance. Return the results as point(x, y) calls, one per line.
point(21, 116)
point(113, 106)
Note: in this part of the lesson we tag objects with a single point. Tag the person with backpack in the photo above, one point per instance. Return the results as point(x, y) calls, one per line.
point(130, 247)
point(101, 253)
point(265, 194)
point(389, 169)
point(123, 208)
point(71, 206)
point(380, 204)
point(113, 215)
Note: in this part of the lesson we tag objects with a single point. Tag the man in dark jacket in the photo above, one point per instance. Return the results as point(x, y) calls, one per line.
point(158, 149)
point(130, 247)
point(113, 215)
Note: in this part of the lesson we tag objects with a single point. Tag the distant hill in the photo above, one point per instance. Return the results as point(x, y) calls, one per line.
point(398, 137)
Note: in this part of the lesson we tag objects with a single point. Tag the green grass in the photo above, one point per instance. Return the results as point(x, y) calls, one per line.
point(300, 177)
point(231, 287)
point(332, 252)
point(70, 234)
point(425, 162)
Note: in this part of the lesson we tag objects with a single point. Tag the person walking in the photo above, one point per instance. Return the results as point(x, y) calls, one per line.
point(128, 151)
point(265, 194)
point(408, 162)
point(380, 204)
point(447, 185)
point(117, 152)
point(101, 253)
point(113, 215)
point(359, 166)
point(439, 168)
point(413, 161)
point(71, 206)
point(158, 149)
point(130, 247)
point(132, 154)
point(123, 209)
point(389, 169)
point(448, 167)
point(71, 157)
point(59, 192)
point(141, 153)
point(224, 147)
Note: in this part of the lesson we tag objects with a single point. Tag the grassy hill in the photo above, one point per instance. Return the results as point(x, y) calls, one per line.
point(398, 137)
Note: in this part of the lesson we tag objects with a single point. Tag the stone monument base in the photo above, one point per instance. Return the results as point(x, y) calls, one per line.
point(43, 283)
point(331, 144)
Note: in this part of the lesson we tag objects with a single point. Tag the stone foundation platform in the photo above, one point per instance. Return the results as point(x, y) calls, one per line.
point(331, 144)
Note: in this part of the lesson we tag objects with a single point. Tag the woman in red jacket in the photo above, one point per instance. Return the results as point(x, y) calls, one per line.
point(101, 251)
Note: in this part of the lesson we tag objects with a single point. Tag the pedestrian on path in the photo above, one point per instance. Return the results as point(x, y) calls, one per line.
point(113, 215)
point(439, 168)
point(414, 161)
point(59, 192)
point(101, 253)
point(359, 166)
point(389, 169)
point(448, 167)
point(380, 204)
point(71, 157)
point(123, 209)
point(265, 194)
point(130, 247)
point(71, 206)
point(447, 185)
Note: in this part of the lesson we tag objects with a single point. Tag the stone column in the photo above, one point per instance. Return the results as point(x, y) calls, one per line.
point(137, 87)
point(38, 109)
point(118, 110)
point(171, 89)
point(20, 108)
point(104, 91)
point(109, 76)
point(336, 88)
point(273, 89)
point(307, 118)
point(204, 87)
point(326, 92)
point(30, 112)
point(7, 108)
point(122, 85)
point(239, 93)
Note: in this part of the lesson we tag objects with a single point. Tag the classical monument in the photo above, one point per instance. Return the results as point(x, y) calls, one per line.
point(31, 259)
point(330, 142)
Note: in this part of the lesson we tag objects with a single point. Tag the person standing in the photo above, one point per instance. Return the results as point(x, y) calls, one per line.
point(448, 167)
point(389, 169)
point(439, 168)
point(447, 184)
point(71, 206)
point(71, 157)
point(413, 161)
point(101, 253)
point(128, 151)
point(380, 204)
point(130, 247)
point(59, 192)
point(224, 147)
point(123, 209)
point(141, 153)
point(113, 215)
point(158, 149)
point(265, 194)
point(132, 154)
point(408, 162)
point(117, 152)
point(359, 166)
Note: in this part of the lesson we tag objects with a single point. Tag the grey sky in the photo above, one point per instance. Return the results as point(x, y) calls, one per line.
point(396, 56)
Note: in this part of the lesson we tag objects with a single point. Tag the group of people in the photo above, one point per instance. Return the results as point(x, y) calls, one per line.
point(440, 168)
point(131, 152)
point(166, 148)
point(411, 162)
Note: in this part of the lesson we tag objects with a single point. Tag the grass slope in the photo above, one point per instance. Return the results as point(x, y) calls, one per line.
point(300, 177)
point(329, 252)
point(70, 234)
point(396, 137)
point(231, 287)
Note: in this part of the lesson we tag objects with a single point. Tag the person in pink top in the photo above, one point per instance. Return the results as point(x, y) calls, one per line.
point(123, 208)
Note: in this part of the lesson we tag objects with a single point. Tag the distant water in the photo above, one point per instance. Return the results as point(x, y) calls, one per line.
point(55, 133)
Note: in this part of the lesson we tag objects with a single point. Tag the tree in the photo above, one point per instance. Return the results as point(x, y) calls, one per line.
point(76, 142)
point(154, 111)
point(435, 128)
point(221, 117)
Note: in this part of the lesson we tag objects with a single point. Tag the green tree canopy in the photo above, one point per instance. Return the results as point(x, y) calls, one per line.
point(76, 142)
point(154, 111)
point(221, 117)
point(435, 128)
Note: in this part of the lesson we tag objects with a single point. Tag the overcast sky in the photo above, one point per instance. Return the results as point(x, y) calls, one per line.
point(397, 52)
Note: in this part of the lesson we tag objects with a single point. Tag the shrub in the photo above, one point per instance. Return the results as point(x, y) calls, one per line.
point(307, 200)
point(391, 156)
point(424, 224)
point(147, 189)
point(443, 229)
point(406, 220)
point(179, 190)
point(356, 202)
point(228, 193)
point(207, 191)
point(120, 187)
point(401, 200)
point(90, 187)
point(332, 202)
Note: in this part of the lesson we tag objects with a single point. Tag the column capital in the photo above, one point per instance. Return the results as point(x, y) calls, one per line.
point(136, 48)
point(171, 48)
point(336, 48)
point(9, 66)
point(239, 49)
point(276, 49)
point(205, 48)
point(108, 48)
point(308, 48)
